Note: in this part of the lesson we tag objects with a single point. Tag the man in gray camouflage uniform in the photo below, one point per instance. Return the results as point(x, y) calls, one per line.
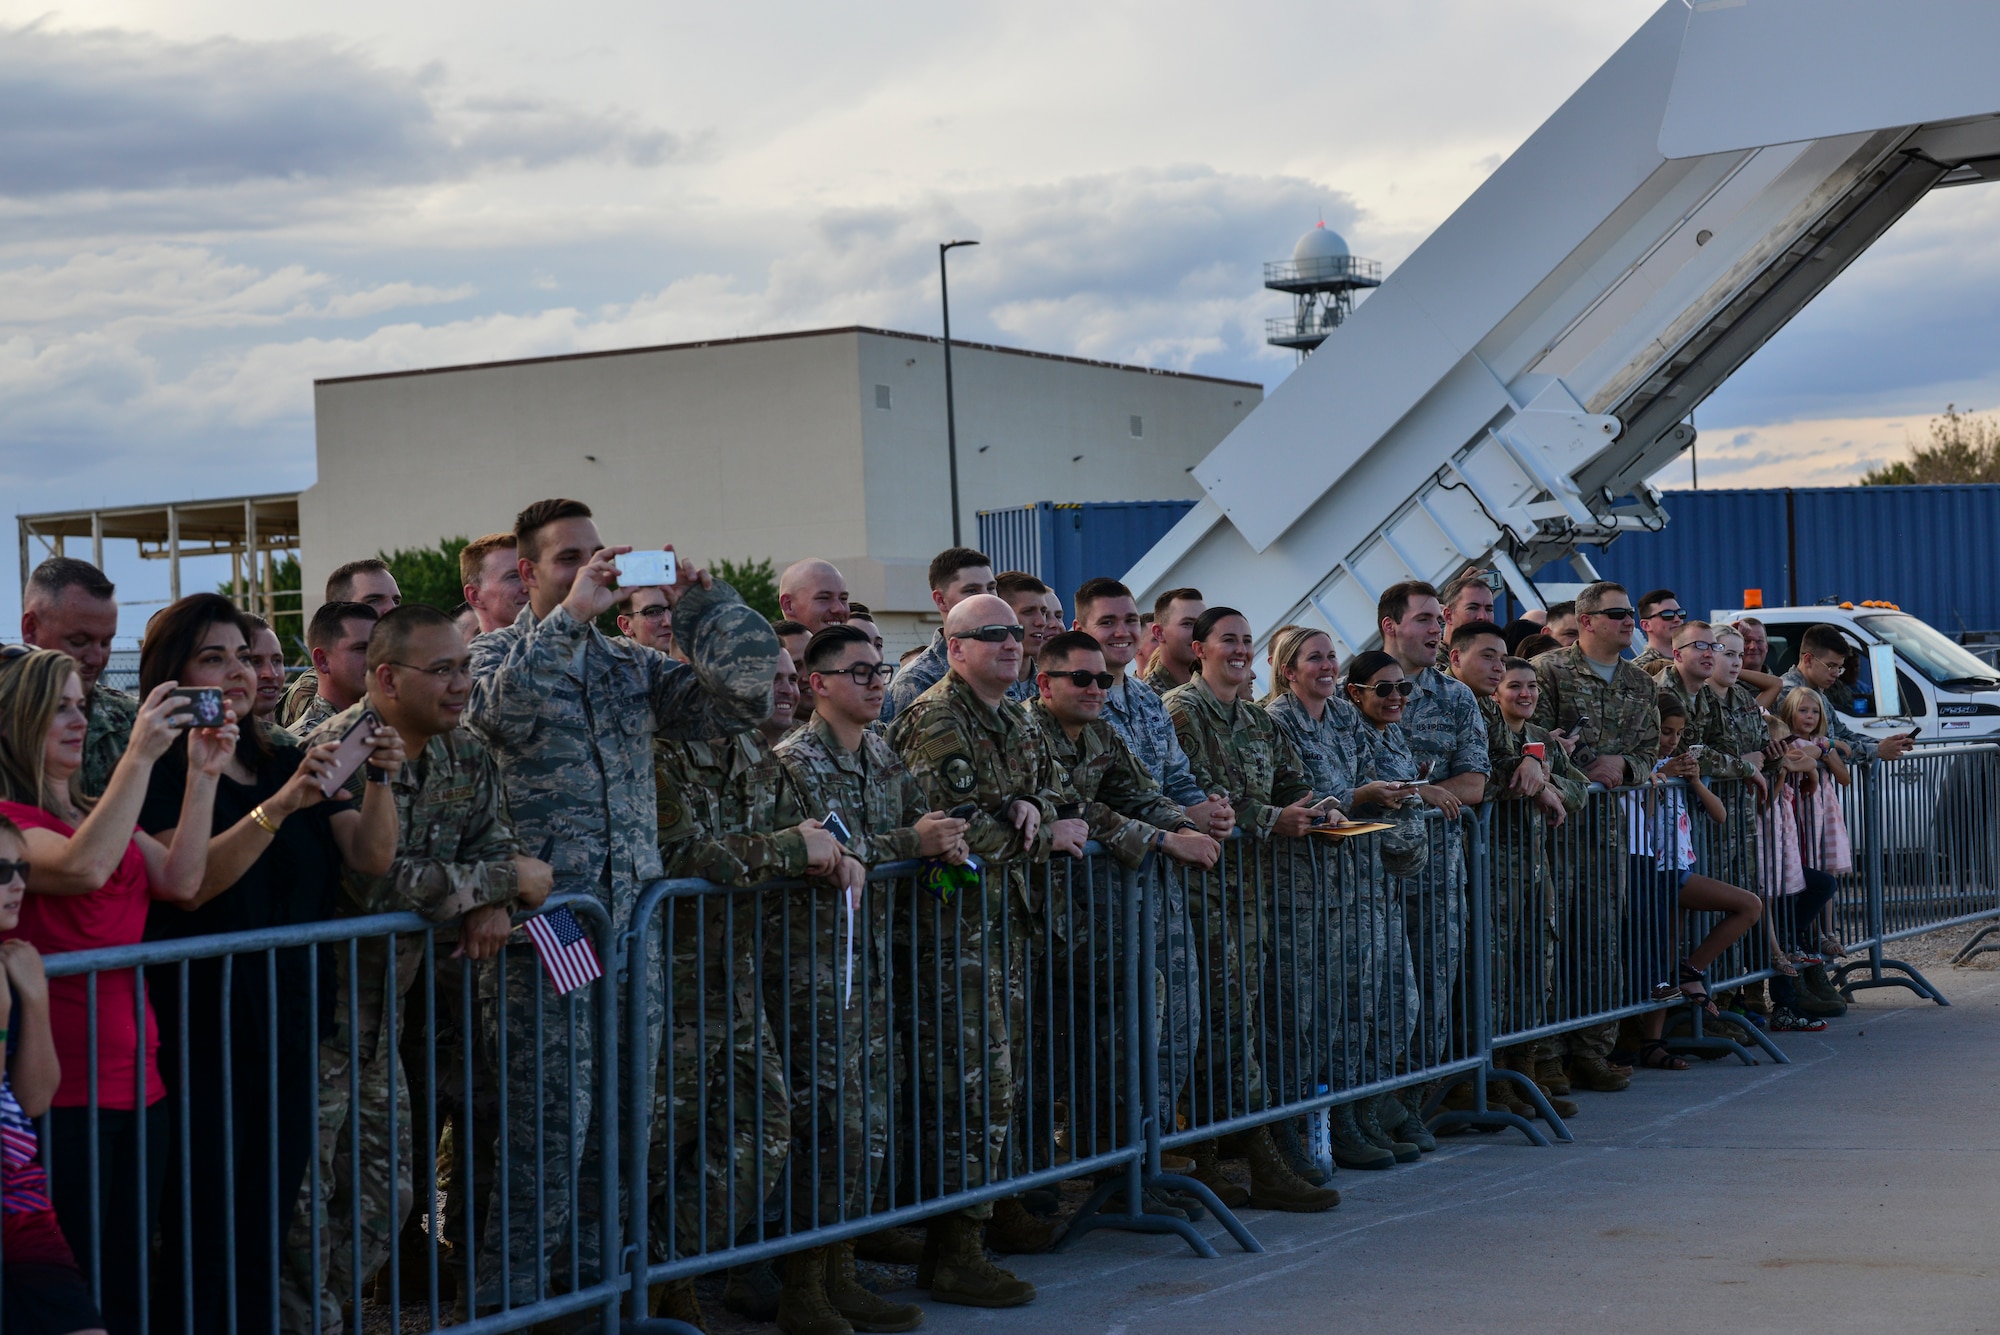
point(69, 606)
point(1447, 736)
point(956, 573)
point(974, 751)
point(1611, 708)
point(457, 864)
point(571, 719)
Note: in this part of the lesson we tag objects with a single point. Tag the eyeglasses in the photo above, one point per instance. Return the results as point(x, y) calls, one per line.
point(1700, 646)
point(1615, 613)
point(1082, 677)
point(657, 612)
point(1669, 614)
point(863, 675)
point(443, 672)
point(1384, 689)
point(993, 634)
point(9, 870)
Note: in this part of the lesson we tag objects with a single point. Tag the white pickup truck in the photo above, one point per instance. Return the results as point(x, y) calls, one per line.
point(1910, 674)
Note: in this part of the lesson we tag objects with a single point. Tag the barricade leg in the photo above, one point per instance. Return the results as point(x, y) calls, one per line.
point(1875, 816)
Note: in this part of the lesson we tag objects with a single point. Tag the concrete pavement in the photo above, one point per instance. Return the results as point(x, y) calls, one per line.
point(1856, 1189)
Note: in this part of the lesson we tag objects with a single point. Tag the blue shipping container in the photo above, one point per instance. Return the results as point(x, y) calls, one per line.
point(1064, 544)
point(1930, 550)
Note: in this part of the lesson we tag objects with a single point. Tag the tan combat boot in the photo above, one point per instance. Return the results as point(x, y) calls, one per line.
point(962, 1274)
point(1207, 1155)
point(864, 1309)
point(1273, 1184)
point(803, 1307)
point(1016, 1231)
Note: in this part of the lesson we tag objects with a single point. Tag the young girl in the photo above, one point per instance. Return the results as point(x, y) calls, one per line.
point(1804, 845)
point(41, 1289)
point(1664, 880)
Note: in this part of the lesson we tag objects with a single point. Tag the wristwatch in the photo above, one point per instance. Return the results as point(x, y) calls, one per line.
point(381, 775)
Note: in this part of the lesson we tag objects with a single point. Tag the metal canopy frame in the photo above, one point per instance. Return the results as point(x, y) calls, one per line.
point(251, 530)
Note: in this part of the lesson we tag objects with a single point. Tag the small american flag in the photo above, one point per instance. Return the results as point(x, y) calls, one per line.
point(565, 949)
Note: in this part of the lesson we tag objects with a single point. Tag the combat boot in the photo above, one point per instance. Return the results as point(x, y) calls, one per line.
point(891, 1246)
point(1817, 994)
point(863, 1308)
point(1550, 1075)
point(752, 1291)
point(675, 1300)
point(1352, 1149)
point(1015, 1231)
point(961, 1274)
point(803, 1307)
point(1207, 1155)
point(1274, 1186)
point(1400, 1120)
point(1291, 1144)
point(1590, 1071)
point(1368, 1117)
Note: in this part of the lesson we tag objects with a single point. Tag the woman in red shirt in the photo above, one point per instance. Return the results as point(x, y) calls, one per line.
point(92, 876)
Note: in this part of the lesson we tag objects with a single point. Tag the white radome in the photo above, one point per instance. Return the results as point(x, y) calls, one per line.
point(1321, 243)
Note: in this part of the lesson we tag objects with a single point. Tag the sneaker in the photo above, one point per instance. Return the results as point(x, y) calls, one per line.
point(1790, 1022)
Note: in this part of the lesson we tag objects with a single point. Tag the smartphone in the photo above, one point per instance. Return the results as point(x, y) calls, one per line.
point(964, 811)
point(204, 707)
point(353, 748)
point(1694, 752)
point(1534, 750)
point(1069, 811)
point(637, 570)
point(837, 827)
point(1916, 729)
point(1582, 722)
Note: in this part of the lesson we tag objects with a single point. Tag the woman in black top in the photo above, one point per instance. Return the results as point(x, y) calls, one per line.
point(253, 1021)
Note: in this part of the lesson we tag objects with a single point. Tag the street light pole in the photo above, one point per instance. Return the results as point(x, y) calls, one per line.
point(950, 412)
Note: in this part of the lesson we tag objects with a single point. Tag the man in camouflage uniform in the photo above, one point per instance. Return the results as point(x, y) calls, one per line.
point(1744, 736)
point(1235, 748)
point(1823, 655)
point(338, 639)
point(841, 1068)
point(571, 719)
point(1617, 705)
point(1529, 797)
point(1465, 598)
point(1128, 815)
point(974, 752)
point(457, 864)
point(956, 573)
point(1447, 736)
point(1174, 615)
point(1660, 618)
point(69, 606)
point(367, 581)
point(1685, 676)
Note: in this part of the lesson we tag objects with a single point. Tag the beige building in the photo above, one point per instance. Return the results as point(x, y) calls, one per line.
point(825, 443)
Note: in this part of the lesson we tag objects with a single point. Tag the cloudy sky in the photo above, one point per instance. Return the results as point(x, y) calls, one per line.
point(203, 208)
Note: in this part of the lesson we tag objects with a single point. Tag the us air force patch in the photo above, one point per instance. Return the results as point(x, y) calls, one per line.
point(958, 776)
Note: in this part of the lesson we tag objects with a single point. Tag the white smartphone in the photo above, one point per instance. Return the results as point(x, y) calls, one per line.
point(638, 570)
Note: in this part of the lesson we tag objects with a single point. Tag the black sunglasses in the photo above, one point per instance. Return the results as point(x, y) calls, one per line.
point(864, 675)
point(1670, 614)
point(1084, 677)
point(1384, 689)
point(9, 870)
point(993, 634)
point(1615, 613)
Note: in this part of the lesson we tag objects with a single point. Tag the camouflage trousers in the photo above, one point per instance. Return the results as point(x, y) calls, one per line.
point(965, 968)
point(835, 1045)
point(1077, 1003)
point(721, 1130)
point(1521, 909)
point(1340, 997)
point(360, 1143)
point(1227, 906)
point(1434, 928)
point(542, 1221)
point(1590, 870)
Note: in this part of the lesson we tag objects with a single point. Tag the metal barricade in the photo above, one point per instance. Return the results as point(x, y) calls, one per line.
point(304, 1077)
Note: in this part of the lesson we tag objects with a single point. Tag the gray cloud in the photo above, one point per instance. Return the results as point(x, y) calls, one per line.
point(112, 110)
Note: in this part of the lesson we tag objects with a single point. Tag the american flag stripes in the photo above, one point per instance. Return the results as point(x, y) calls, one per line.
point(565, 949)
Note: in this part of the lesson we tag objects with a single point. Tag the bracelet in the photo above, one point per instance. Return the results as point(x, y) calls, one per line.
point(257, 814)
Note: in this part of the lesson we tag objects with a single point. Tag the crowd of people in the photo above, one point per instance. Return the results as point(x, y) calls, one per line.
point(207, 1129)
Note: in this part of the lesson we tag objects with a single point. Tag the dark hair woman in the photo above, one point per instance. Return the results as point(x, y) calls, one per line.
point(252, 1021)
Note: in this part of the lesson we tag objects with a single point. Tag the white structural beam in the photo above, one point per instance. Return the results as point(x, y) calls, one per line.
point(1512, 385)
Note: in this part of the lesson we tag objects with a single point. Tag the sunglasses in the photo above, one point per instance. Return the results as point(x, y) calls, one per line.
point(1615, 613)
point(863, 675)
point(9, 870)
point(993, 634)
point(1384, 689)
point(1670, 614)
point(1083, 677)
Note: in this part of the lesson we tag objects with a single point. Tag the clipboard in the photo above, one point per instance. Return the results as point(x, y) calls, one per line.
point(1350, 829)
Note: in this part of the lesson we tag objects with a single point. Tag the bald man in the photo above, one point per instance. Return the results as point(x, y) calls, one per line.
point(977, 754)
point(814, 594)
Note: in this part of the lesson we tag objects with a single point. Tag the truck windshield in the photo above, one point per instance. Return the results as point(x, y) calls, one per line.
point(1929, 651)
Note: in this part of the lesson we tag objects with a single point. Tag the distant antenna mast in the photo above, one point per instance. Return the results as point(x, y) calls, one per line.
point(1322, 279)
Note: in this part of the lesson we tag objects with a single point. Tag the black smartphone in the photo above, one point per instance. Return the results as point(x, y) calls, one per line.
point(1069, 811)
point(964, 811)
point(837, 827)
point(1582, 722)
point(204, 707)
